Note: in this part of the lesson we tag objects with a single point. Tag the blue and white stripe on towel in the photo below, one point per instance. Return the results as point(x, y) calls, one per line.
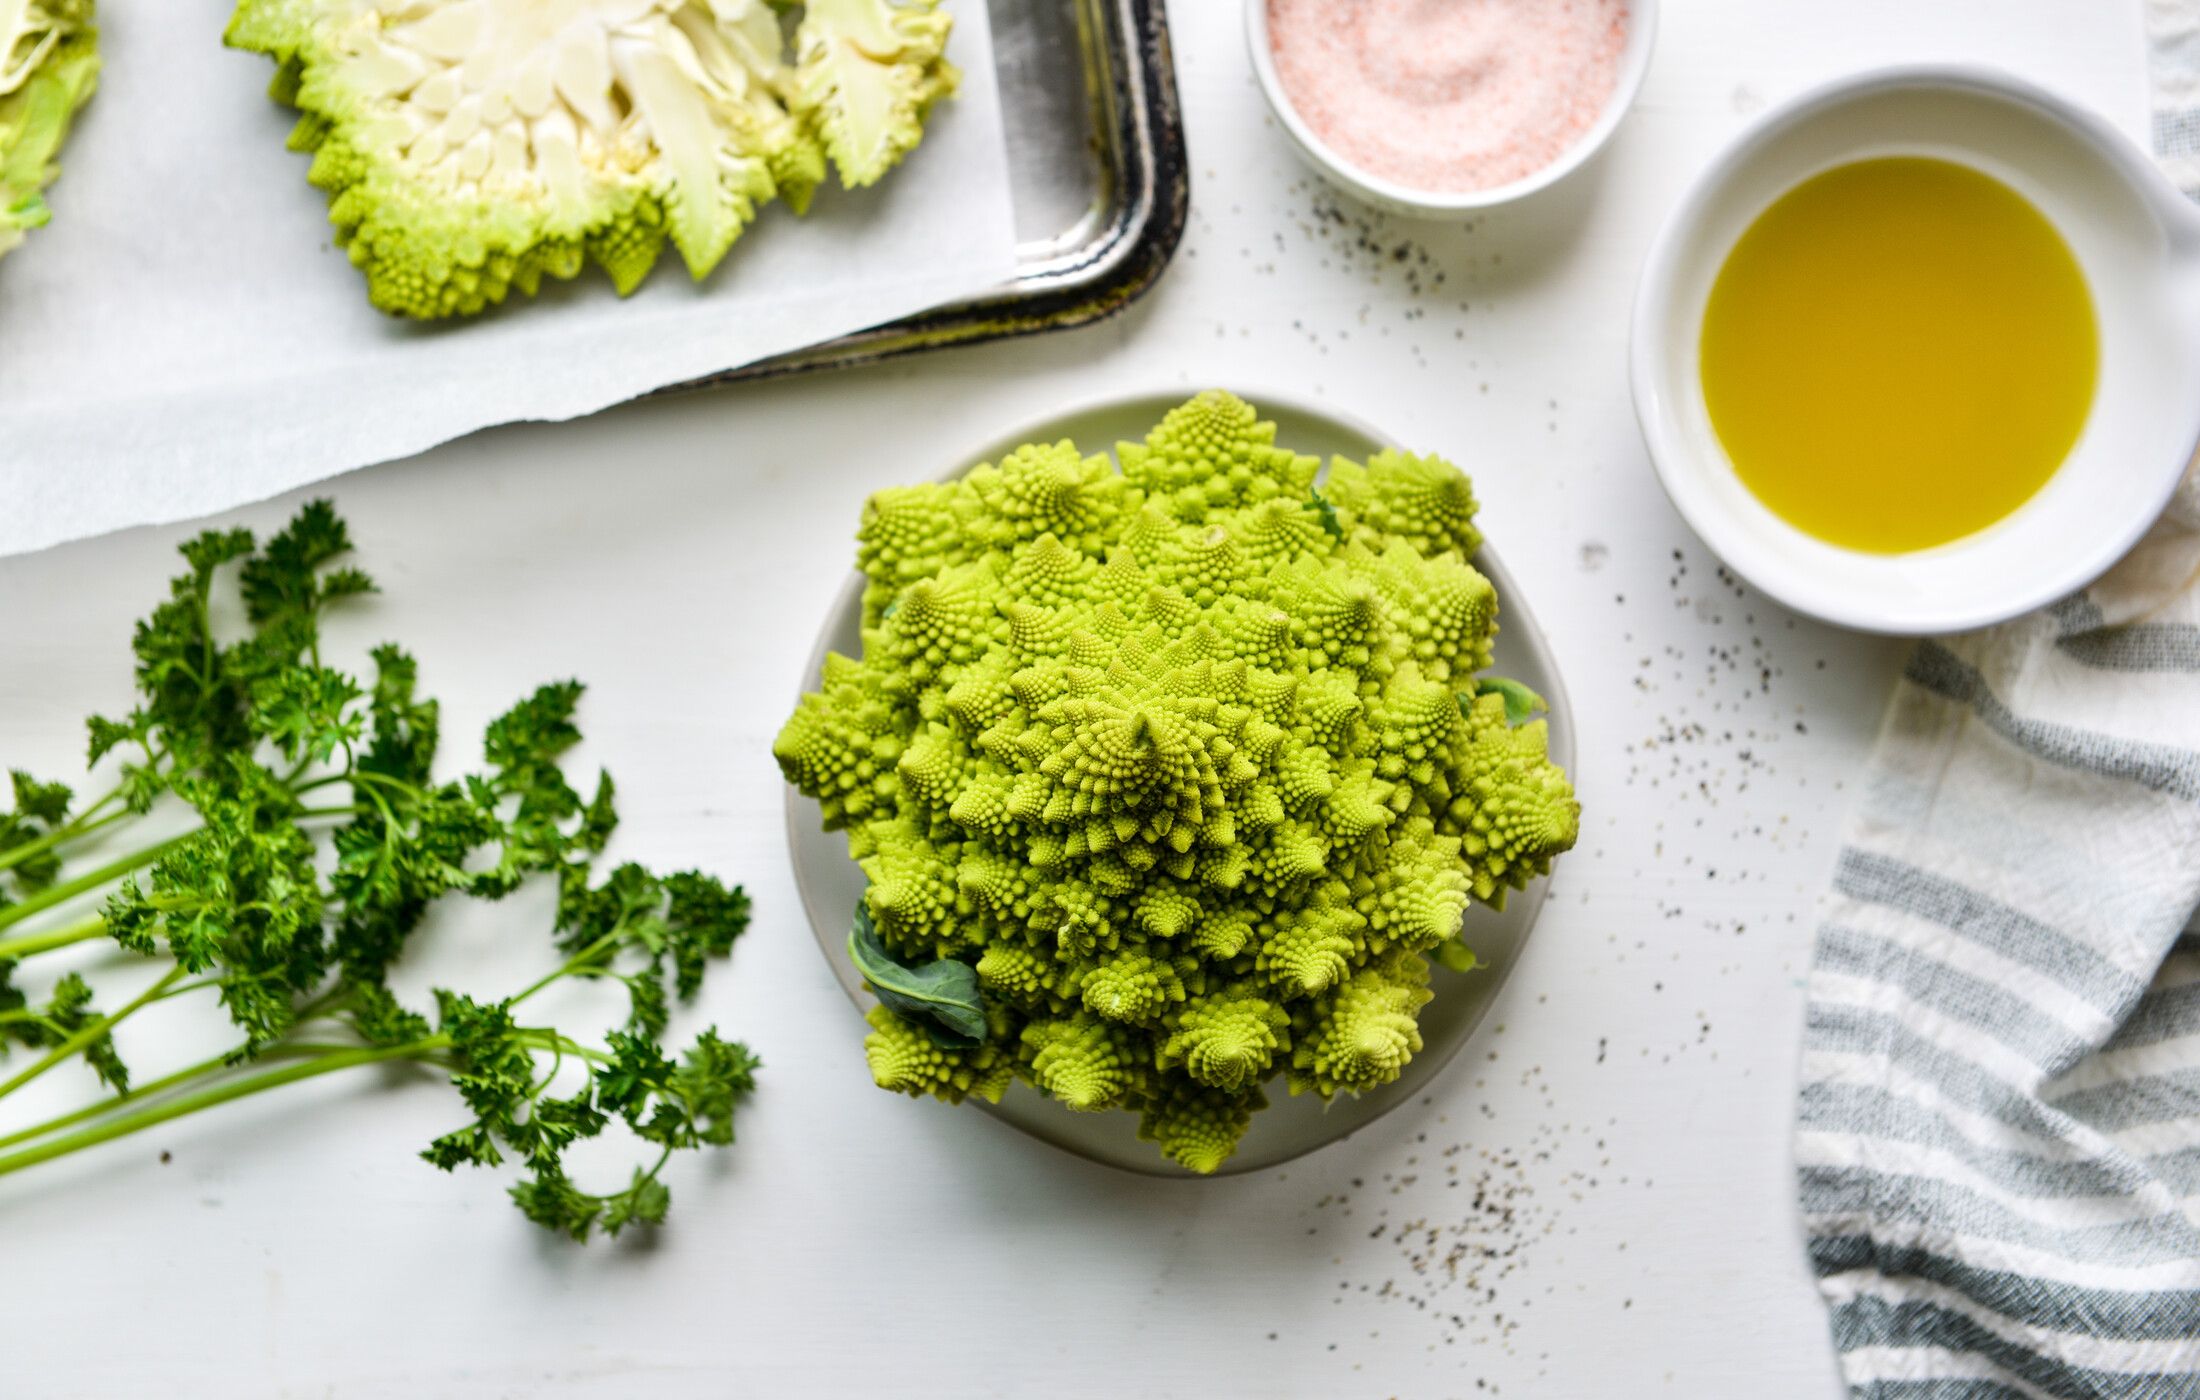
point(1998, 1132)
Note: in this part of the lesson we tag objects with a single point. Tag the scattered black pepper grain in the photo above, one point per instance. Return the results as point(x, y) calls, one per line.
point(1468, 1253)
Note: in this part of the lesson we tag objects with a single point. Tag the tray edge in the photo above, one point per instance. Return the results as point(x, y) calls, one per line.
point(1115, 270)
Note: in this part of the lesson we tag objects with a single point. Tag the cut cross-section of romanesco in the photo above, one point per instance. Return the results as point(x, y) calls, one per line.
point(472, 146)
point(1191, 765)
point(49, 61)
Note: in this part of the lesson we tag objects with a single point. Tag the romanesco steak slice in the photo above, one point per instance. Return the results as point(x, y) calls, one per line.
point(1188, 762)
point(469, 147)
point(869, 72)
point(49, 62)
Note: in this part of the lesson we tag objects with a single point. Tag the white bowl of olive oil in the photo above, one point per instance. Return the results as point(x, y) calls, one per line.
point(1921, 351)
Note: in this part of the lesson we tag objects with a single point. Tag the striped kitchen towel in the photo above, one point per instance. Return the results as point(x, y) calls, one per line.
point(2173, 62)
point(1998, 1131)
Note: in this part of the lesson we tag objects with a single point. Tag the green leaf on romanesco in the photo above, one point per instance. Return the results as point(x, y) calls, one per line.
point(940, 995)
point(1521, 703)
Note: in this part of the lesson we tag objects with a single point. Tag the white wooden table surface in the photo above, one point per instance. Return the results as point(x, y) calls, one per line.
point(1594, 1204)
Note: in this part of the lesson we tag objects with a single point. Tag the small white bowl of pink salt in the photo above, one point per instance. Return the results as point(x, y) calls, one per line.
point(1445, 107)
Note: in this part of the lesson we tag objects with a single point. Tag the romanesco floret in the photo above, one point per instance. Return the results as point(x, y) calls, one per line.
point(49, 61)
point(469, 147)
point(1185, 760)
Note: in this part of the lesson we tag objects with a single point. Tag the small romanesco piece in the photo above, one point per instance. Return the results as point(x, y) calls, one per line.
point(49, 62)
point(1186, 761)
point(907, 1060)
point(469, 147)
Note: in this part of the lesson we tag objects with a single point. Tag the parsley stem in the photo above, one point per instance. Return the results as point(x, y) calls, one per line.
point(82, 826)
point(320, 1006)
point(547, 1039)
point(138, 1093)
point(577, 961)
point(368, 775)
point(130, 1095)
point(307, 1049)
point(91, 880)
point(59, 894)
point(153, 1115)
point(67, 1049)
point(24, 945)
point(23, 1017)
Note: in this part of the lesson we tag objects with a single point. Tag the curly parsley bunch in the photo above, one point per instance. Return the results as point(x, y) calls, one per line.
point(316, 838)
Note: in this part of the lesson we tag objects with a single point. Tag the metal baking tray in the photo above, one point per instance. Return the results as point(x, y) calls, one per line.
point(1097, 171)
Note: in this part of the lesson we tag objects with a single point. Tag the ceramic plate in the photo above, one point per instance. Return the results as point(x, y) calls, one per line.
point(1290, 1127)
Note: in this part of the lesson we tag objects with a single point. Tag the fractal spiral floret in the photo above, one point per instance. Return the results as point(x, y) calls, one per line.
point(1188, 763)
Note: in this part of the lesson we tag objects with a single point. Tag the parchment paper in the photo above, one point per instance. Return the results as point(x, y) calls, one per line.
point(185, 336)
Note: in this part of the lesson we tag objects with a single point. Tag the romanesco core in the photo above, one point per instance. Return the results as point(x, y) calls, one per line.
point(469, 147)
point(1187, 763)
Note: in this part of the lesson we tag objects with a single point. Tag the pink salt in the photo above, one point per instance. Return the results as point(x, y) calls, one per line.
point(1448, 96)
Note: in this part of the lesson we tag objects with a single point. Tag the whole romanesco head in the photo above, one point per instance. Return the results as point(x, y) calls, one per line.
point(49, 61)
point(469, 147)
point(1188, 761)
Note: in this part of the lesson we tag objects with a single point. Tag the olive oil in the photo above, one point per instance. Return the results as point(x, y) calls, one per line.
point(1898, 353)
